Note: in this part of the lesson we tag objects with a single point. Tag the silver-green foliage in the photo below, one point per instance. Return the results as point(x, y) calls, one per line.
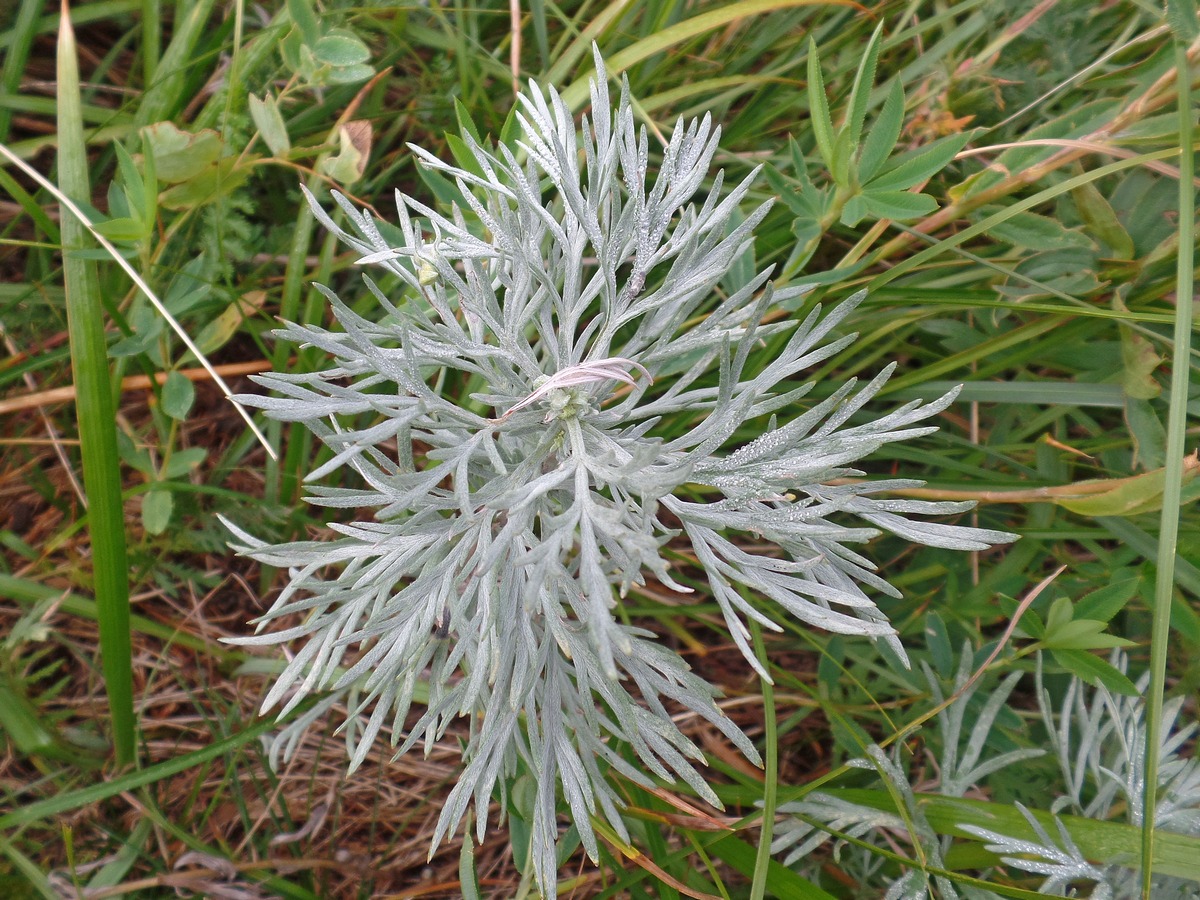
point(1098, 742)
point(504, 525)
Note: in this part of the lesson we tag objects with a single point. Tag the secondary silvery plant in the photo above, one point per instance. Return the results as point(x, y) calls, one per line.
point(500, 406)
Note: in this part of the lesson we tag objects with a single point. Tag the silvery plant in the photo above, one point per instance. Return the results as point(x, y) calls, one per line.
point(500, 409)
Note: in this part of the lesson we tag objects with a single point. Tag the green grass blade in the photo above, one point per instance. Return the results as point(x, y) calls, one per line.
point(1168, 536)
point(577, 93)
point(20, 41)
point(762, 858)
point(94, 406)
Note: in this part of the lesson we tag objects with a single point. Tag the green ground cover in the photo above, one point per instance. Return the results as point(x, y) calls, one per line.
point(1005, 180)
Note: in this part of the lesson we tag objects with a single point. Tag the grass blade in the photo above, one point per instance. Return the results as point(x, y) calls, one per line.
point(1168, 535)
point(94, 407)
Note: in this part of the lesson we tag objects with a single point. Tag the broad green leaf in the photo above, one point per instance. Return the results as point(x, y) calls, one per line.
point(348, 74)
point(910, 169)
point(305, 18)
point(462, 154)
point(1101, 220)
point(1126, 496)
point(466, 125)
point(157, 504)
point(180, 155)
point(1181, 16)
point(341, 50)
point(882, 137)
point(1036, 232)
point(1095, 671)
point(269, 122)
point(123, 230)
point(818, 107)
point(468, 878)
point(183, 461)
point(1083, 634)
point(1059, 615)
point(1115, 842)
point(1139, 362)
point(146, 326)
point(898, 204)
point(191, 285)
point(854, 211)
point(131, 180)
point(216, 333)
point(1147, 433)
point(178, 394)
point(860, 94)
point(354, 150)
point(218, 180)
point(937, 639)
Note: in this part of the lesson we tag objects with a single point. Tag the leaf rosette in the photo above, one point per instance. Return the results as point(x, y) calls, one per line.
point(502, 417)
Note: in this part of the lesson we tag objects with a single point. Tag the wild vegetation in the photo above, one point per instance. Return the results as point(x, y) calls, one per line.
point(996, 189)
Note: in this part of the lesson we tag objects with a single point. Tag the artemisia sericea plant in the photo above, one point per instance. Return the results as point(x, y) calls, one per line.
point(500, 408)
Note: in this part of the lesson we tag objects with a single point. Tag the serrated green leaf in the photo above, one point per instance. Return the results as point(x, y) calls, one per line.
point(1061, 612)
point(1101, 220)
point(1105, 602)
point(898, 205)
point(916, 166)
point(1083, 634)
point(269, 122)
point(860, 94)
point(1095, 671)
point(1181, 16)
point(157, 505)
point(882, 137)
point(341, 50)
point(854, 211)
point(183, 461)
point(818, 106)
point(178, 394)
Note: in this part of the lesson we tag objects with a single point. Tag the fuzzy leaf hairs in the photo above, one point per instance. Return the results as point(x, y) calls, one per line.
point(501, 413)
